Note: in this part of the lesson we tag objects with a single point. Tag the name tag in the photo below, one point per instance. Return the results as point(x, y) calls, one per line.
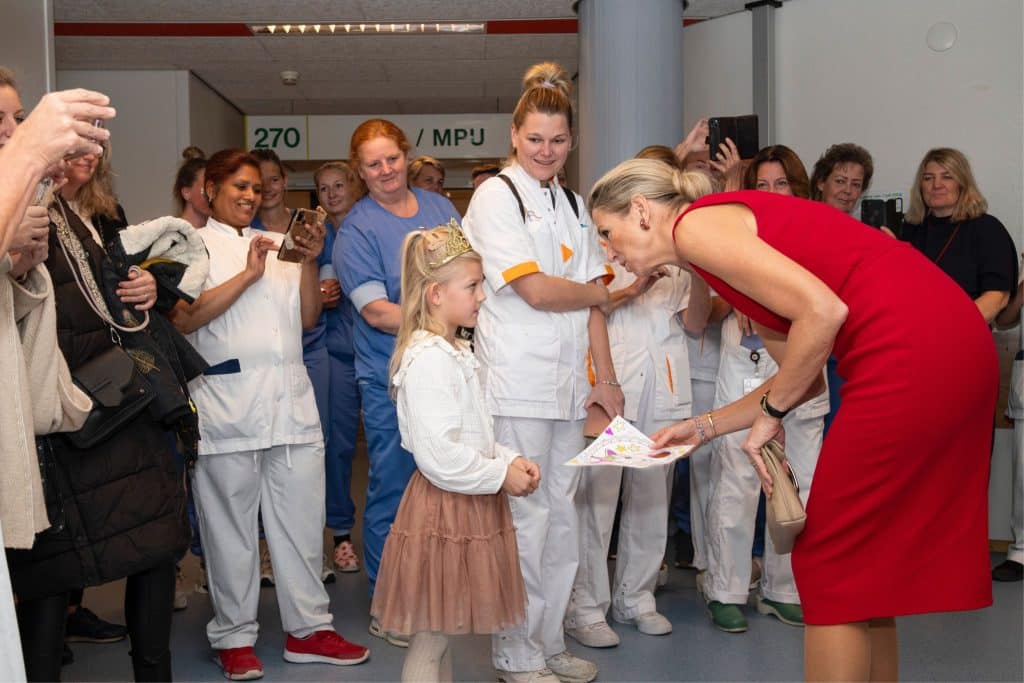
point(751, 383)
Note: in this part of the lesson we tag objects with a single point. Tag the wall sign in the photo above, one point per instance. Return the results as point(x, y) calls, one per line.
point(445, 136)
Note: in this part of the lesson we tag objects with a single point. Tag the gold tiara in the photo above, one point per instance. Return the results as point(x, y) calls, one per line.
point(454, 246)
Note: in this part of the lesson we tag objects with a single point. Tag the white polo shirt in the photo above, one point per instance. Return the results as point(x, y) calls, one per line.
point(646, 338)
point(269, 400)
point(533, 363)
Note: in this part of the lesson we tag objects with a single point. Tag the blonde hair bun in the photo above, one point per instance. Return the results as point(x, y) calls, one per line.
point(547, 74)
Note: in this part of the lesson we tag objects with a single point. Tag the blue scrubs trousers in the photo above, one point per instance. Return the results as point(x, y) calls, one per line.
point(391, 466)
point(340, 436)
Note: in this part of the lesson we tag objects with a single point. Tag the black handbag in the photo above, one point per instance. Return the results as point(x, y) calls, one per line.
point(118, 391)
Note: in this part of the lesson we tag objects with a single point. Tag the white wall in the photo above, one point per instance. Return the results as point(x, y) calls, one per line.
point(862, 72)
point(31, 60)
point(159, 113)
point(717, 71)
point(147, 136)
point(214, 123)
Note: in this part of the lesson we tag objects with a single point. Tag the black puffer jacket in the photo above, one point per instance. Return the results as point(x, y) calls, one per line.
point(117, 508)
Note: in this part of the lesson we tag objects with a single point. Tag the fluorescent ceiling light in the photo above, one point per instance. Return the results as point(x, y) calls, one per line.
point(355, 28)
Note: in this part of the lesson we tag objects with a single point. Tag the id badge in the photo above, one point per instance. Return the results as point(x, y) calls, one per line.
point(751, 383)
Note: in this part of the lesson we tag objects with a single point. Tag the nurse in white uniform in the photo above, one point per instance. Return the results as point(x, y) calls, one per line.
point(544, 269)
point(648, 343)
point(261, 449)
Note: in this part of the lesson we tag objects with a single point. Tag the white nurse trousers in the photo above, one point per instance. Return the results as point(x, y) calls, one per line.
point(286, 484)
point(547, 532)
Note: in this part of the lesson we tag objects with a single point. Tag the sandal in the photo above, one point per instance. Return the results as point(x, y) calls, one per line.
point(345, 557)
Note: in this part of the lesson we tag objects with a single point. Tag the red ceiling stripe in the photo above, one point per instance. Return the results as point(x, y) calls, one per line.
point(141, 29)
point(524, 26)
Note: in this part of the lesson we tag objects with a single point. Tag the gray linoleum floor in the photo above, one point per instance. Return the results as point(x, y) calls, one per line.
point(985, 645)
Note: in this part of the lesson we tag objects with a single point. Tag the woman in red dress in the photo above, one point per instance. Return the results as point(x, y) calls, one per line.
point(897, 521)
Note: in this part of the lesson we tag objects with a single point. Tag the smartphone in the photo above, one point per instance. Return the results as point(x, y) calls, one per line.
point(742, 130)
point(297, 227)
point(879, 212)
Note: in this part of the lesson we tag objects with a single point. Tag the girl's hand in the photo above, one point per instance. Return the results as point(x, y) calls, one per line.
point(138, 289)
point(609, 397)
point(530, 467)
point(763, 430)
point(517, 482)
point(682, 433)
point(24, 261)
point(256, 259)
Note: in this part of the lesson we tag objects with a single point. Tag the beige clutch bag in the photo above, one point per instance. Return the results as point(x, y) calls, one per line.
point(785, 512)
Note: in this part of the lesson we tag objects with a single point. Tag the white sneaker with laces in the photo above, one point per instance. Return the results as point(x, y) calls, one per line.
point(539, 676)
point(650, 623)
point(598, 634)
point(571, 669)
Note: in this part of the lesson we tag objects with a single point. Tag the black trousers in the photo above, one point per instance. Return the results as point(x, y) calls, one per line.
point(148, 603)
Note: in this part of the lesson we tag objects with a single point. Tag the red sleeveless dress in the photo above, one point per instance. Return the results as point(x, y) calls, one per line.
point(897, 519)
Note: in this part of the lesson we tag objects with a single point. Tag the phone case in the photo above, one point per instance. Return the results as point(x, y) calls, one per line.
point(297, 227)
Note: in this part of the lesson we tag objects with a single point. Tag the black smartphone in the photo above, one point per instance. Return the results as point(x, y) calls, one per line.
point(742, 130)
point(879, 212)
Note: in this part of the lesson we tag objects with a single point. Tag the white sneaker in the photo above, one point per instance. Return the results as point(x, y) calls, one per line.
point(571, 669)
point(180, 596)
point(539, 676)
point(266, 569)
point(662, 576)
point(598, 634)
point(650, 623)
point(395, 639)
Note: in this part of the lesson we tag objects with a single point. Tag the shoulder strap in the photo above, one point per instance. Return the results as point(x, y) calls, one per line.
point(515, 193)
point(571, 196)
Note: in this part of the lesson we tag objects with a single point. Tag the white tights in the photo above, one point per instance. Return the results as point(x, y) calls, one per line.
point(429, 659)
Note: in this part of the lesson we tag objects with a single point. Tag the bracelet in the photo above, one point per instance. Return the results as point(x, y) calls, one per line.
point(700, 431)
point(711, 422)
point(609, 383)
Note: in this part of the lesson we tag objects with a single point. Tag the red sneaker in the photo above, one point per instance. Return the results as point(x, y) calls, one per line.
point(326, 647)
point(240, 663)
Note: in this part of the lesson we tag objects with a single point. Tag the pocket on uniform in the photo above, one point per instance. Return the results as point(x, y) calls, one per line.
point(527, 367)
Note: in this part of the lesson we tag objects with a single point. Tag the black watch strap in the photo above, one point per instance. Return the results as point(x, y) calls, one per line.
point(768, 410)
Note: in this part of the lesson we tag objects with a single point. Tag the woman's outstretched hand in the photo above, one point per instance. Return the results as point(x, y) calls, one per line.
point(682, 433)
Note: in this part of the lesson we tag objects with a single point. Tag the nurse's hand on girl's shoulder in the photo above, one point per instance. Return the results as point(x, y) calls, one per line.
point(256, 260)
point(608, 397)
point(519, 482)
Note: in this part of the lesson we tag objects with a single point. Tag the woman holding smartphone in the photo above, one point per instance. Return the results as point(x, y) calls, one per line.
point(261, 451)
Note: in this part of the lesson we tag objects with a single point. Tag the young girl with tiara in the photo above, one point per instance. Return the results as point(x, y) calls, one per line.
point(450, 564)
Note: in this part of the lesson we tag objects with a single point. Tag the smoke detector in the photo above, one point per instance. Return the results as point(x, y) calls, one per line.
point(289, 77)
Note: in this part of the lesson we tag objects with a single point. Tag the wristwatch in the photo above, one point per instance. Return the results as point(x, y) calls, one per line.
point(768, 410)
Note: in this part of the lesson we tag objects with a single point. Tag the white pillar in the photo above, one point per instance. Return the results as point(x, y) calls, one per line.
point(26, 34)
point(630, 81)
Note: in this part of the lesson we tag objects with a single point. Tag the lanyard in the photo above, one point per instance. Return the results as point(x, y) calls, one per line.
point(948, 242)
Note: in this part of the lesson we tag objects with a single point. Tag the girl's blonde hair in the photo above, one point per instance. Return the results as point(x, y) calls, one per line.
point(428, 257)
point(651, 178)
point(970, 204)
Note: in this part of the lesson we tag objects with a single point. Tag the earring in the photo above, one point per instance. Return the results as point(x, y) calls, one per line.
point(644, 225)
